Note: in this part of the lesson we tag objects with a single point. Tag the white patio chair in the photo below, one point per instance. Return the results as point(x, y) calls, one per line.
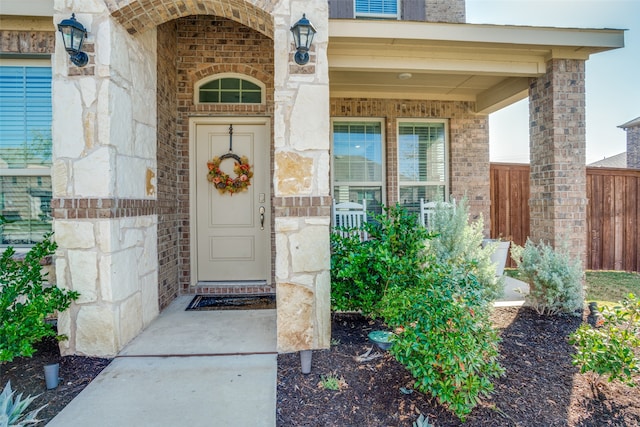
point(351, 215)
point(427, 209)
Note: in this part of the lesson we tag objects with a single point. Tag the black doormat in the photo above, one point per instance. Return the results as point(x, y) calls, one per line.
point(233, 302)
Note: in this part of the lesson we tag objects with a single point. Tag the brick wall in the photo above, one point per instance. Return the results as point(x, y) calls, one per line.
point(633, 147)
point(167, 171)
point(204, 46)
point(138, 15)
point(15, 41)
point(558, 176)
point(43, 42)
point(468, 138)
point(411, 10)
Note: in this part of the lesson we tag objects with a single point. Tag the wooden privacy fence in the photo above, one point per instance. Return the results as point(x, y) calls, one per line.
point(613, 213)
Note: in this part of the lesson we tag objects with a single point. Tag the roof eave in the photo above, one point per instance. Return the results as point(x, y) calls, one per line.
point(630, 124)
point(590, 40)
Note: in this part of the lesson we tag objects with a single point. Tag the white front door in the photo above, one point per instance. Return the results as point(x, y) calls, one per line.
point(232, 236)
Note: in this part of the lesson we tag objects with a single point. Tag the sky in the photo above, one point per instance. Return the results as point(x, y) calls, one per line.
point(612, 78)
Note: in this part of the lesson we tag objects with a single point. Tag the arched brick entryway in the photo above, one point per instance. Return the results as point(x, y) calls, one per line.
point(138, 15)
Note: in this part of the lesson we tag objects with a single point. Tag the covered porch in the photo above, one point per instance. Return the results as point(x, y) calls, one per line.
point(459, 74)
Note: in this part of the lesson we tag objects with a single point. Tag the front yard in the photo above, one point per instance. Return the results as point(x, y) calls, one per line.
point(540, 386)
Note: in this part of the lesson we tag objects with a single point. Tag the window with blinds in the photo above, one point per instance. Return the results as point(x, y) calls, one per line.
point(422, 162)
point(357, 170)
point(25, 153)
point(376, 9)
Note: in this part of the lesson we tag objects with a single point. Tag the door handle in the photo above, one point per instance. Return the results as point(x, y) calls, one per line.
point(261, 210)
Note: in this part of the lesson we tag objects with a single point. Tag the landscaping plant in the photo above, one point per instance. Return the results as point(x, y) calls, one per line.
point(431, 297)
point(332, 382)
point(394, 254)
point(555, 280)
point(26, 301)
point(422, 421)
point(444, 337)
point(610, 348)
point(458, 243)
point(12, 409)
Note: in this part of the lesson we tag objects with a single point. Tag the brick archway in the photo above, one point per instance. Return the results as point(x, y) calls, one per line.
point(138, 15)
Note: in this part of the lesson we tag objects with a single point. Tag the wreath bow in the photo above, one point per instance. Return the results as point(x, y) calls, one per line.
point(223, 182)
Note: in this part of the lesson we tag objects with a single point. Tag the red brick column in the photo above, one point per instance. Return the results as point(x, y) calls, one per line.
point(558, 198)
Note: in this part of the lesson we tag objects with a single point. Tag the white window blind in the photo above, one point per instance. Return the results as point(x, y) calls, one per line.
point(358, 162)
point(25, 116)
point(422, 162)
point(377, 8)
point(25, 153)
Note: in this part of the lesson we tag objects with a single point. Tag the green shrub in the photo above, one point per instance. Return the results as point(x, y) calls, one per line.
point(12, 409)
point(25, 301)
point(432, 295)
point(555, 280)
point(394, 255)
point(608, 349)
point(458, 243)
point(445, 339)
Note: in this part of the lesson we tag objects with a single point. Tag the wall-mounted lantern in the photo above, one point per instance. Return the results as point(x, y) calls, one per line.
point(303, 32)
point(73, 35)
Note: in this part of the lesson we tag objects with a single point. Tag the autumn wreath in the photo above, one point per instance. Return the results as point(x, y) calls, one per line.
point(223, 182)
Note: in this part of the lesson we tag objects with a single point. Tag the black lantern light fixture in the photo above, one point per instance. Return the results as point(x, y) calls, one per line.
point(303, 32)
point(73, 35)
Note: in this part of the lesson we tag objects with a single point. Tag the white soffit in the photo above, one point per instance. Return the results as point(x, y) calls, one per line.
point(488, 64)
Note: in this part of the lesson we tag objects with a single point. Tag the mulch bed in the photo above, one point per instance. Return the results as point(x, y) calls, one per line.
point(27, 377)
point(540, 388)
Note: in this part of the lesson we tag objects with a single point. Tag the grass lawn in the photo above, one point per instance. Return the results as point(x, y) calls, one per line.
point(605, 287)
point(610, 287)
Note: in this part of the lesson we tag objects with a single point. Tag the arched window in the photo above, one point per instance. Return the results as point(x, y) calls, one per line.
point(229, 89)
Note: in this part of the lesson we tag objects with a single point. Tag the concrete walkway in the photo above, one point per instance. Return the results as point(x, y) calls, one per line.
point(514, 293)
point(196, 368)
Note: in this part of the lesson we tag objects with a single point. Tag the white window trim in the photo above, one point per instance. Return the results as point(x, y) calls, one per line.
point(378, 15)
point(447, 153)
point(45, 61)
point(383, 141)
point(201, 82)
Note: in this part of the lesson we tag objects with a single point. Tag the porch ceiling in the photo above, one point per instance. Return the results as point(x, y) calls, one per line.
point(488, 64)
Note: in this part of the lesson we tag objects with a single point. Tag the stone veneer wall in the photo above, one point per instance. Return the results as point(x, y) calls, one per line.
point(301, 182)
point(468, 144)
point(558, 199)
point(633, 147)
point(104, 191)
point(169, 213)
point(205, 46)
point(106, 224)
point(446, 11)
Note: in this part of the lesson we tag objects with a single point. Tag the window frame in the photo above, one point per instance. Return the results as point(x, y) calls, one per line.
point(44, 61)
point(210, 78)
point(447, 156)
point(368, 15)
point(383, 140)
